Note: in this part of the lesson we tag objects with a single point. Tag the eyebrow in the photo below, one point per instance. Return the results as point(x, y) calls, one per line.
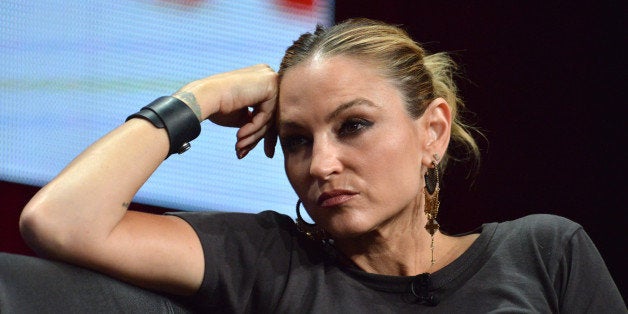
point(343, 107)
point(347, 105)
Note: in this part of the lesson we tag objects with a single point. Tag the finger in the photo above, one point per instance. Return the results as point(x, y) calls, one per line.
point(264, 111)
point(270, 137)
point(235, 119)
point(263, 115)
point(266, 131)
point(245, 145)
point(253, 138)
point(242, 152)
point(259, 120)
point(270, 142)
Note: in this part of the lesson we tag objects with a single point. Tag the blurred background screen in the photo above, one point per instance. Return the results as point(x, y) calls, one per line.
point(74, 70)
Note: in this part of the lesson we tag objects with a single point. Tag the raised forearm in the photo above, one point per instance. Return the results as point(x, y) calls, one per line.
point(91, 195)
point(81, 215)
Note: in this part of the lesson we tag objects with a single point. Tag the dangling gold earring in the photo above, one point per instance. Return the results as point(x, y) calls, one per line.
point(431, 190)
point(312, 231)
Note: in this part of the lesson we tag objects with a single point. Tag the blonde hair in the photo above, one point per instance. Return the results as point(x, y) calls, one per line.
point(421, 77)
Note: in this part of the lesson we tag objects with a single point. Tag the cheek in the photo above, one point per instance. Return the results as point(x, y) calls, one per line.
point(296, 174)
point(395, 161)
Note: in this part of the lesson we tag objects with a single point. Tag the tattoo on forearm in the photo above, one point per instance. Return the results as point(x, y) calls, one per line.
point(190, 100)
point(126, 204)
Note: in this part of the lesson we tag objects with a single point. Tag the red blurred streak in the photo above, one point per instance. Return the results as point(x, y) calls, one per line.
point(297, 4)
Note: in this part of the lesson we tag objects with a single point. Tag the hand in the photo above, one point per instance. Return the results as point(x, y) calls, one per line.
point(227, 99)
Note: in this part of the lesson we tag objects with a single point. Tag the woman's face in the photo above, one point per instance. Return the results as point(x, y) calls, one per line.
point(352, 153)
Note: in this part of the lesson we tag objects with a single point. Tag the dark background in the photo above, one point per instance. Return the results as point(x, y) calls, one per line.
point(547, 85)
point(546, 82)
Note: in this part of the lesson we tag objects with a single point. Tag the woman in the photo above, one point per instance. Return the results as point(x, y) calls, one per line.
point(364, 117)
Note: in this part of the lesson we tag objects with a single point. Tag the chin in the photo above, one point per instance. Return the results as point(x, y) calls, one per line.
point(343, 229)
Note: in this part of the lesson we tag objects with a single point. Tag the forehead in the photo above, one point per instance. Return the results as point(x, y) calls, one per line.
point(321, 82)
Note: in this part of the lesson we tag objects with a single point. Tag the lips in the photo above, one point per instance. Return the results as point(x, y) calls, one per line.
point(334, 198)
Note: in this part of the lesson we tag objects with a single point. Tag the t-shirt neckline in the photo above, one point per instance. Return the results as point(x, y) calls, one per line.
point(440, 278)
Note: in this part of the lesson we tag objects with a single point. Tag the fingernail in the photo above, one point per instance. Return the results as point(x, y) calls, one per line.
point(240, 152)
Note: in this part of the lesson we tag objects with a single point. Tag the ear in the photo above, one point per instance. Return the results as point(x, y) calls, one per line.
point(437, 125)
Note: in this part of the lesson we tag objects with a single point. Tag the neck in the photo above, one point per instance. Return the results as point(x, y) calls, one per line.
point(402, 247)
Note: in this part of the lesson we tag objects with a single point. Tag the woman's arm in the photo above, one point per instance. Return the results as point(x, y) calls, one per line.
point(81, 215)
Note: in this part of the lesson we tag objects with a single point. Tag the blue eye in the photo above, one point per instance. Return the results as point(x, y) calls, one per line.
point(353, 126)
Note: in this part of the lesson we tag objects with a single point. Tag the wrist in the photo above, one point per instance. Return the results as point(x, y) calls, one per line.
point(176, 117)
point(190, 100)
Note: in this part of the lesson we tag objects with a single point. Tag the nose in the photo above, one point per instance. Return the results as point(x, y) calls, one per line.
point(325, 159)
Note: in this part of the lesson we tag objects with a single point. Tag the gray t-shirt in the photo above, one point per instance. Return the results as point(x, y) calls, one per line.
point(537, 264)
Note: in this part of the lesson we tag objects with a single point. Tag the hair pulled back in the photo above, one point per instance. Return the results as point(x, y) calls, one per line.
point(421, 77)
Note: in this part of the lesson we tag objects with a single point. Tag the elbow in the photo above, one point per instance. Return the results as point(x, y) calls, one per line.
point(53, 228)
point(38, 229)
point(32, 227)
